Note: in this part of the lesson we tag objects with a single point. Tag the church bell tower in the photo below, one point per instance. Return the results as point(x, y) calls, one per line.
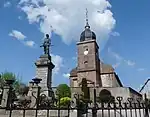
point(88, 57)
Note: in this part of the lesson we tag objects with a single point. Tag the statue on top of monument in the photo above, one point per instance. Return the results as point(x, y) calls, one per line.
point(46, 44)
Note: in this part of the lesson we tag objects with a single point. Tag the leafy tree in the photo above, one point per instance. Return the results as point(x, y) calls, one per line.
point(105, 97)
point(17, 85)
point(64, 102)
point(8, 75)
point(63, 90)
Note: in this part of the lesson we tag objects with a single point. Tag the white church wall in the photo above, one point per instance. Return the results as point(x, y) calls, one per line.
point(121, 91)
point(106, 81)
point(134, 94)
point(117, 91)
point(115, 82)
point(109, 80)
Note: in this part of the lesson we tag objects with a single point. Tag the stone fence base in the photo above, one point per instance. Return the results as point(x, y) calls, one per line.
point(73, 113)
point(32, 113)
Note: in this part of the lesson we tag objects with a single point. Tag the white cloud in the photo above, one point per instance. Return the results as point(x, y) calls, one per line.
point(140, 69)
point(115, 34)
point(20, 36)
point(58, 62)
point(114, 54)
point(66, 75)
point(116, 65)
point(7, 4)
point(30, 43)
point(17, 34)
point(19, 17)
point(120, 59)
point(67, 17)
point(129, 62)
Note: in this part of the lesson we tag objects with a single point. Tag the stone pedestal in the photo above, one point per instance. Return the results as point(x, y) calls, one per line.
point(44, 68)
point(5, 96)
point(35, 96)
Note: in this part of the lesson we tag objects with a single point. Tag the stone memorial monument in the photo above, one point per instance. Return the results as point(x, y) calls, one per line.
point(44, 68)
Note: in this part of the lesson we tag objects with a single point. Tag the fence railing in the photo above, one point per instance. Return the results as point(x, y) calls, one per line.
point(40, 105)
point(116, 109)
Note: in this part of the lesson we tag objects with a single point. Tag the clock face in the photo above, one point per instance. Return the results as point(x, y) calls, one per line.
point(85, 52)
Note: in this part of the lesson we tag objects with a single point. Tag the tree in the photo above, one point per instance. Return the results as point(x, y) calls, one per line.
point(17, 85)
point(6, 76)
point(63, 90)
point(105, 97)
point(64, 102)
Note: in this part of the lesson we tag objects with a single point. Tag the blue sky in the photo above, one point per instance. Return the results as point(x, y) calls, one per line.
point(123, 37)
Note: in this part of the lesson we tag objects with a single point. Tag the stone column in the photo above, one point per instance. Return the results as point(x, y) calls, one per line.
point(35, 95)
point(34, 91)
point(31, 84)
point(5, 96)
point(44, 68)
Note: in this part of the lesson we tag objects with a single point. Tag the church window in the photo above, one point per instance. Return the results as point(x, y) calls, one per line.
point(85, 62)
point(75, 84)
point(86, 48)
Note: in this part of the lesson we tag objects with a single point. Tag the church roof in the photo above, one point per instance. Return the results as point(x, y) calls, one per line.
point(106, 68)
point(118, 80)
point(87, 34)
point(135, 92)
point(73, 72)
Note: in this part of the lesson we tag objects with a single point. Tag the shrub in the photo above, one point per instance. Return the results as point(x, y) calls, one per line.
point(64, 102)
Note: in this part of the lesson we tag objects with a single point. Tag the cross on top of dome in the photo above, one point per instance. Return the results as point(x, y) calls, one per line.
point(87, 34)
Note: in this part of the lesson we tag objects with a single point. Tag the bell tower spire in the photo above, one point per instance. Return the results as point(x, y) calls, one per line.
point(87, 21)
point(87, 34)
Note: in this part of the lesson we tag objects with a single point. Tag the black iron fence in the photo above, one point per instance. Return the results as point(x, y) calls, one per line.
point(39, 105)
point(79, 109)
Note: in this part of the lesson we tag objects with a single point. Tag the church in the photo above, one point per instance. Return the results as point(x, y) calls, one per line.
point(98, 74)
